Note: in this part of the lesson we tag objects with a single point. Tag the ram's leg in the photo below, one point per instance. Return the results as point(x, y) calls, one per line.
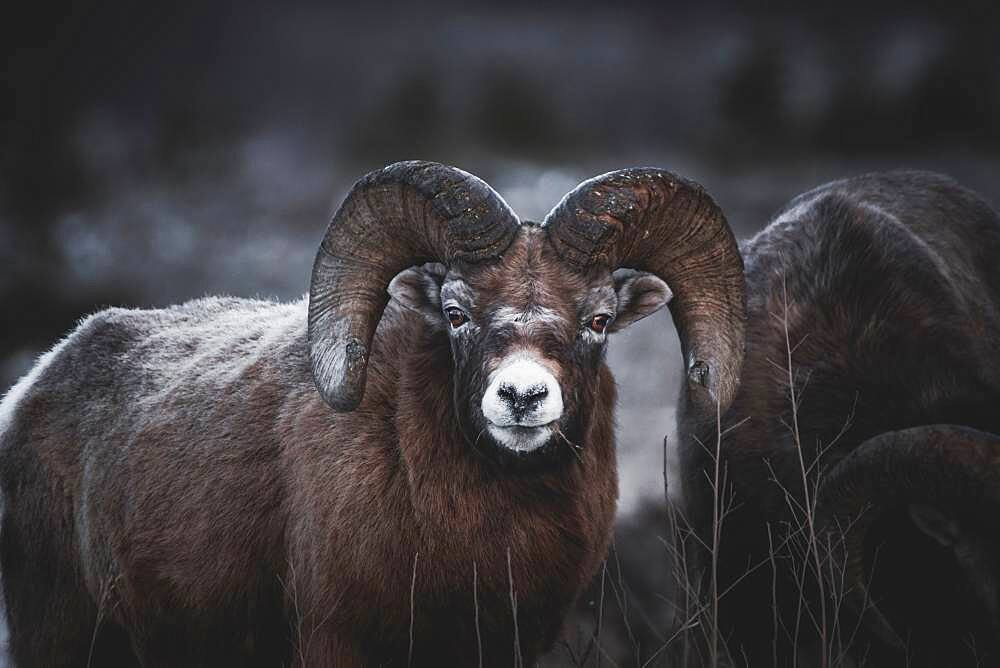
point(51, 617)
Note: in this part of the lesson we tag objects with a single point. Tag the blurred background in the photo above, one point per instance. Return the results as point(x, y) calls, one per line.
point(153, 154)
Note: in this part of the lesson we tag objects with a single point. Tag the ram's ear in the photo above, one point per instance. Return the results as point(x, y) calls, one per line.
point(419, 289)
point(639, 295)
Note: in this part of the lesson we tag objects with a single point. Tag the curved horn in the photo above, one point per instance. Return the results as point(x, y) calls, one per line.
point(942, 466)
point(651, 220)
point(405, 214)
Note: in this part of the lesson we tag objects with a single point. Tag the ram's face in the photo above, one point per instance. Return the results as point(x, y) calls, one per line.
point(528, 336)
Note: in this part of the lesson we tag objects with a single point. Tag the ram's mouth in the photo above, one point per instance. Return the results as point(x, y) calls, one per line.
point(522, 438)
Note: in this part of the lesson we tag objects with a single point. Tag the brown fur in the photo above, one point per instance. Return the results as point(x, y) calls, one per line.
point(182, 495)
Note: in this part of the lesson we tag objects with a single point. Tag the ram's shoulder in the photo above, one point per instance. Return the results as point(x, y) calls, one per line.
point(137, 352)
point(193, 326)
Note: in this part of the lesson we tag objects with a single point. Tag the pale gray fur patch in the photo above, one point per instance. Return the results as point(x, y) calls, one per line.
point(508, 315)
point(796, 212)
point(201, 346)
point(457, 290)
point(602, 299)
point(13, 397)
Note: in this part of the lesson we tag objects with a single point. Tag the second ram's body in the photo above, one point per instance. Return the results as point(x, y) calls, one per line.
point(882, 295)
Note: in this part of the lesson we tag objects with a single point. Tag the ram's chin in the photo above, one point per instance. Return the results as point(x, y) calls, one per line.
point(521, 439)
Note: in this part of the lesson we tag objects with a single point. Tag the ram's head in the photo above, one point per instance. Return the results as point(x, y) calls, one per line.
point(527, 308)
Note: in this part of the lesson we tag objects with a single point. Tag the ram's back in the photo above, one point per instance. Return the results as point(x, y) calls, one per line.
point(886, 289)
point(131, 372)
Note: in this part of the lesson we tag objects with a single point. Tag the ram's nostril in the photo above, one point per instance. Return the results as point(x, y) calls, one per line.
point(535, 393)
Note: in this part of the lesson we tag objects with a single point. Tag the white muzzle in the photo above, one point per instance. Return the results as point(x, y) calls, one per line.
point(522, 403)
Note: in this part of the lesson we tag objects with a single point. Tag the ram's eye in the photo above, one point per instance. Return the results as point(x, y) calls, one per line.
point(456, 317)
point(599, 323)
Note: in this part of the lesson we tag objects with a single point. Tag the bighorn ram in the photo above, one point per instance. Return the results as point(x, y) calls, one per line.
point(234, 482)
point(882, 293)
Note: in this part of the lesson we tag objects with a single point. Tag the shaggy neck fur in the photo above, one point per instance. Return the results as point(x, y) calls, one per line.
point(467, 526)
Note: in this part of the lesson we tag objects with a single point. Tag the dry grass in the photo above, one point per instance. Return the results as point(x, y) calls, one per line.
point(799, 553)
point(108, 586)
